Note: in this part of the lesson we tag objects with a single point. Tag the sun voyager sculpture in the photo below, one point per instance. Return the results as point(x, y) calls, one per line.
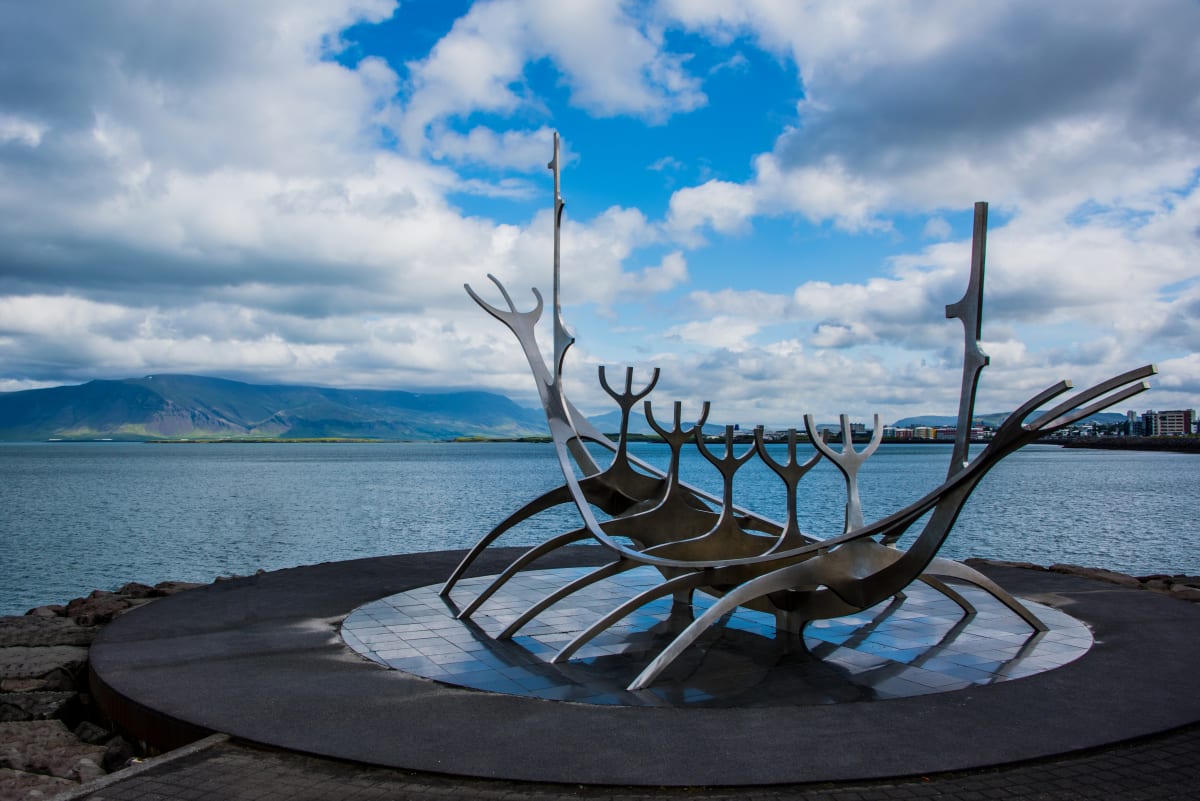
point(701, 542)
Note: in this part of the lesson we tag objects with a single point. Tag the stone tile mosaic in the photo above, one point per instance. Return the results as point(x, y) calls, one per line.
point(918, 645)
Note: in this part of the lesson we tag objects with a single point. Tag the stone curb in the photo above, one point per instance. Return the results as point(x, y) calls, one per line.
point(110, 779)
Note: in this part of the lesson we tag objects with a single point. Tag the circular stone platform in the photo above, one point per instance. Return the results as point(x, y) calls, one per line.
point(915, 645)
point(263, 659)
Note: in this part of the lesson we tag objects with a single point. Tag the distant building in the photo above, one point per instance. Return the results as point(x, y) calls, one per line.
point(1133, 424)
point(924, 432)
point(1173, 423)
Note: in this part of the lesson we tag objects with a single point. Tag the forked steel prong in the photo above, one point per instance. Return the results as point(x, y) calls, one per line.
point(507, 317)
point(790, 473)
point(847, 462)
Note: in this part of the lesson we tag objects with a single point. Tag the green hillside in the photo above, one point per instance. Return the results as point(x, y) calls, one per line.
point(197, 407)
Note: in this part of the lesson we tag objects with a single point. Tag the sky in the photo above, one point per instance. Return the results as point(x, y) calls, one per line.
point(771, 202)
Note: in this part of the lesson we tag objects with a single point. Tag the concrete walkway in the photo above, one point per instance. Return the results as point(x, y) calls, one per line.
point(1165, 766)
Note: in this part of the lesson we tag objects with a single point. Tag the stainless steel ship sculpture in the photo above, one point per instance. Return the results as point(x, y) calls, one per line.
point(699, 541)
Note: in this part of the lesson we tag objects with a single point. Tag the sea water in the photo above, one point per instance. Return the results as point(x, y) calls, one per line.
point(80, 516)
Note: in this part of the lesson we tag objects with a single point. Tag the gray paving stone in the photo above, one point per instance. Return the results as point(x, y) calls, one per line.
point(1161, 767)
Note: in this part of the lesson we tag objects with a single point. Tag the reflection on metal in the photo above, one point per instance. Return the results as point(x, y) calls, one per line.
point(699, 541)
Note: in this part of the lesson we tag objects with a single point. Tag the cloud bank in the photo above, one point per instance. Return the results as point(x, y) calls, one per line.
point(252, 192)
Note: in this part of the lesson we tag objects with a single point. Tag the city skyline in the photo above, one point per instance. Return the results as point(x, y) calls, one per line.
point(771, 202)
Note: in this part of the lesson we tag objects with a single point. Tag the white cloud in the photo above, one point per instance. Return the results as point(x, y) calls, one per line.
point(728, 333)
point(666, 275)
point(518, 150)
point(1020, 102)
point(14, 128)
point(936, 228)
point(722, 205)
point(612, 62)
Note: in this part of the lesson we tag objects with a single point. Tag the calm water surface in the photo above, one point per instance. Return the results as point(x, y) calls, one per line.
point(79, 516)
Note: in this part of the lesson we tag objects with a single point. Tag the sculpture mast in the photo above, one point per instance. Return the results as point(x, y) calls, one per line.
point(970, 311)
point(562, 338)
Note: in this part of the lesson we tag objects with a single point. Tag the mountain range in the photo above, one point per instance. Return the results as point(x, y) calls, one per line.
point(197, 407)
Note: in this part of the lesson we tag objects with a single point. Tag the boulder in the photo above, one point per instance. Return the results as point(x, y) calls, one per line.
point(33, 630)
point(976, 562)
point(1184, 592)
point(172, 587)
point(89, 732)
point(19, 784)
point(118, 754)
point(1099, 573)
point(137, 590)
point(50, 668)
point(97, 609)
point(48, 747)
point(37, 705)
point(50, 610)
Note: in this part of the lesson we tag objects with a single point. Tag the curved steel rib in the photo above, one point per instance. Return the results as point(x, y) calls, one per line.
point(555, 497)
point(685, 581)
point(586, 580)
point(552, 544)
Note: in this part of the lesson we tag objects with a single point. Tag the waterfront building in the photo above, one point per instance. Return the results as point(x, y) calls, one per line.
point(1133, 424)
point(1173, 423)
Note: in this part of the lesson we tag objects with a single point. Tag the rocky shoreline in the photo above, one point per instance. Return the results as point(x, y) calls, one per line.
point(53, 739)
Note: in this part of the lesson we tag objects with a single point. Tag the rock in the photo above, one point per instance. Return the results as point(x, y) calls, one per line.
point(19, 784)
point(135, 590)
point(96, 609)
point(87, 769)
point(53, 667)
point(37, 705)
point(1002, 563)
point(1184, 592)
point(1154, 577)
point(46, 746)
point(1157, 584)
point(22, 685)
point(117, 754)
point(35, 630)
point(172, 587)
point(50, 610)
point(1099, 573)
point(89, 732)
